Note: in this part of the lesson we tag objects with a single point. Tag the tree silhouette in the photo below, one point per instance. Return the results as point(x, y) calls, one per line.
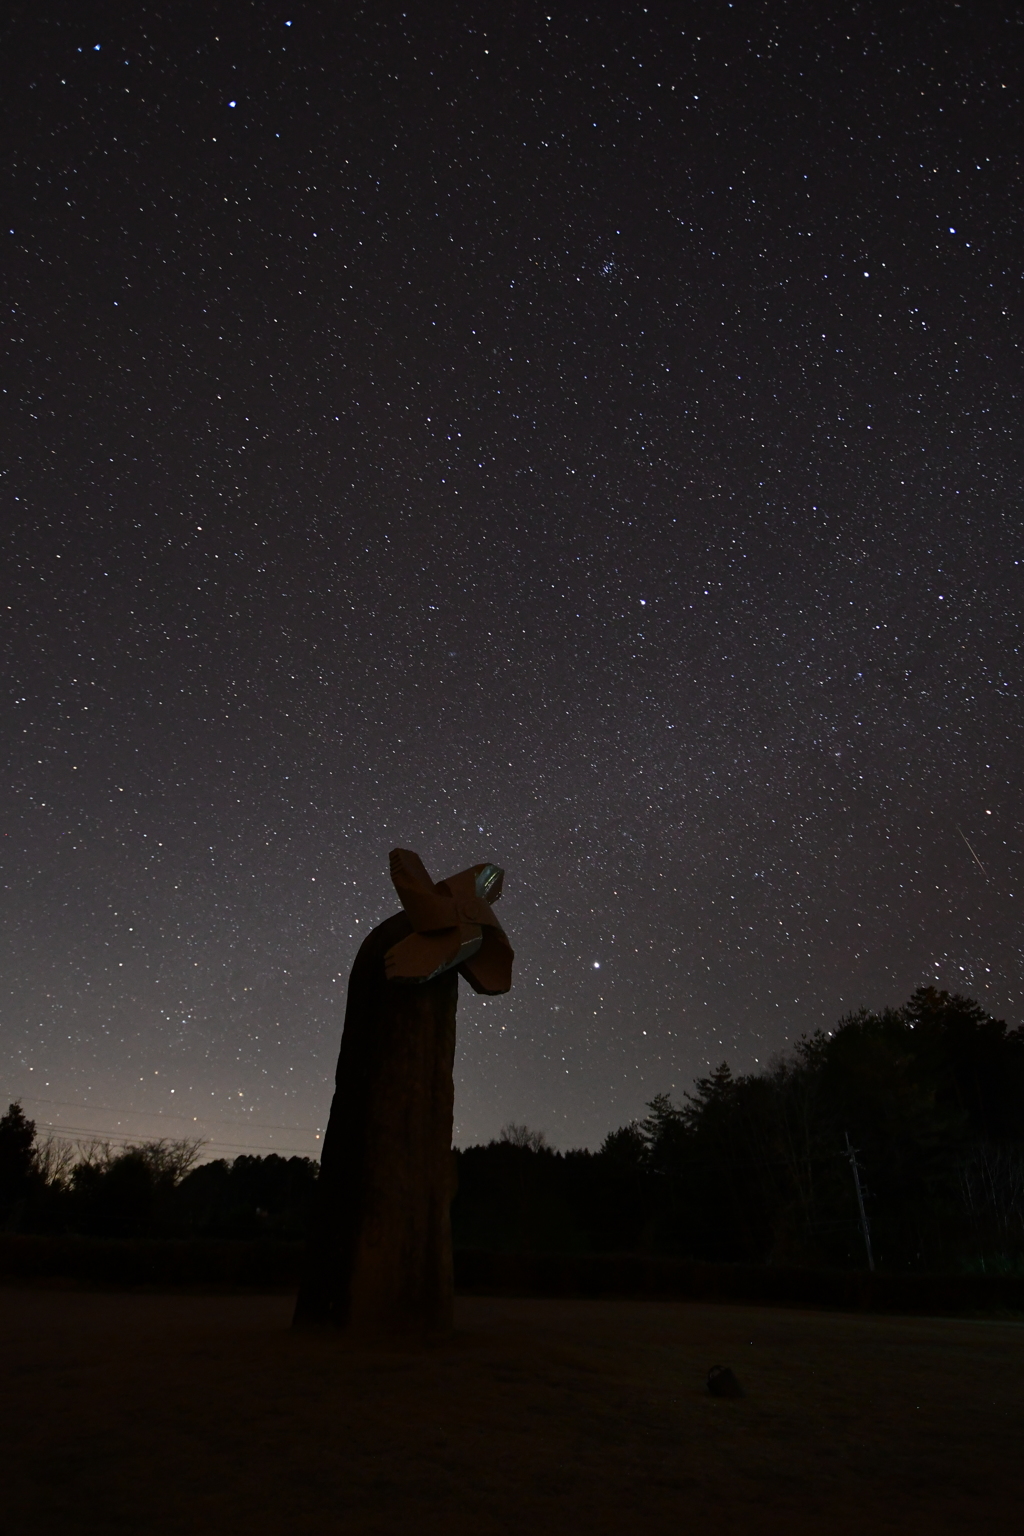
point(17, 1161)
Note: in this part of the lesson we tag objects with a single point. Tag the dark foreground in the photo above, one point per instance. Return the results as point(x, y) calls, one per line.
point(204, 1415)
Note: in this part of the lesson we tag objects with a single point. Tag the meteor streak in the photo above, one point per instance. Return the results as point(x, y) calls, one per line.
point(974, 856)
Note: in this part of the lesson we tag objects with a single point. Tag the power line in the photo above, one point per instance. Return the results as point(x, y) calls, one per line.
point(126, 1139)
point(113, 1109)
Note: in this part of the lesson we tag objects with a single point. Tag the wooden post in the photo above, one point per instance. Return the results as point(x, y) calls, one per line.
point(379, 1254)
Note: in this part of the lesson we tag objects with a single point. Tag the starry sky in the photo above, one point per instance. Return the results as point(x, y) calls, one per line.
point(586, 438)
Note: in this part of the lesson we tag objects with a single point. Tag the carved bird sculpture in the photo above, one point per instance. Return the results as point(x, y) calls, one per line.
point(453, 925)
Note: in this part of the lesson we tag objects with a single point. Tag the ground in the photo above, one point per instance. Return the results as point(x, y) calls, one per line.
point(205, 1416)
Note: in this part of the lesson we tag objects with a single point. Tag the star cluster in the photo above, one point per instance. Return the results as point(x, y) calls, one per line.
point(583, 439)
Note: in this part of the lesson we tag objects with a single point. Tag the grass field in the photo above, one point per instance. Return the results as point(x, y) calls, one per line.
point(204, 1416)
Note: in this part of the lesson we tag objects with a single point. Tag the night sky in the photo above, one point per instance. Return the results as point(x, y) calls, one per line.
point(582, 438)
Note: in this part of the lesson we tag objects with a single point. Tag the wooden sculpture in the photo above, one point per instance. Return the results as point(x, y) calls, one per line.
point(453, 925)
point(378, 1257)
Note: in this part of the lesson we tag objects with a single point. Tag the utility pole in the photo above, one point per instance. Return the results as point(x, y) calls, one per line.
point(852, 1156)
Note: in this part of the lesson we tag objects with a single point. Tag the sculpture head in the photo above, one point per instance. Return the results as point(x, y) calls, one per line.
point(453, 925)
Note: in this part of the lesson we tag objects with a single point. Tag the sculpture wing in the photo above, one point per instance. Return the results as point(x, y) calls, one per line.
point(490, 969)
point(428, 909)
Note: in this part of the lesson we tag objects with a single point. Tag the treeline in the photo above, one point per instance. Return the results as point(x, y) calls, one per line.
point(756, 1168)
point(150, 1190)
point(751, 1169)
